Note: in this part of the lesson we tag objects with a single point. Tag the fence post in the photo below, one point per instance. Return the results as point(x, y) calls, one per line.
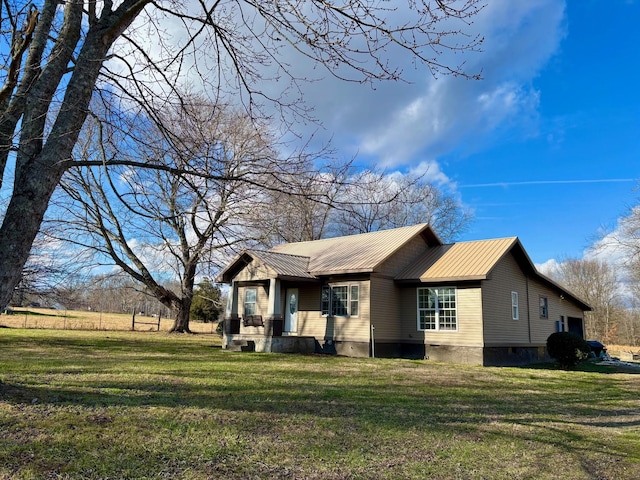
point(159, 317)
point(133, 320)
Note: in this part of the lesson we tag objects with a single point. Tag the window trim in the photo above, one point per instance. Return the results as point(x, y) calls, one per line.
point(544, 306)
point(437, 309)
point(255, 302)
point(515, 307)
point(327, 305)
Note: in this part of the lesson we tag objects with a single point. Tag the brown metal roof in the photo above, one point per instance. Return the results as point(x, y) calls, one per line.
point(354, 253)
point(460, 261)
point(284, 265)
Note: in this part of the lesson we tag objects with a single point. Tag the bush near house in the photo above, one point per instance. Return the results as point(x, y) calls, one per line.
point(567, 348)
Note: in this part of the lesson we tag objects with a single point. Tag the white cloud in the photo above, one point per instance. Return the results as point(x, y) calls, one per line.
point(399, 124)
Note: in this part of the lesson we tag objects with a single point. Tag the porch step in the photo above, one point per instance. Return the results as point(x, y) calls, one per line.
point(241, 346)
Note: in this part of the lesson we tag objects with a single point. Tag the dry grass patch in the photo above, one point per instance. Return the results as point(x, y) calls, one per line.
point(48, 318)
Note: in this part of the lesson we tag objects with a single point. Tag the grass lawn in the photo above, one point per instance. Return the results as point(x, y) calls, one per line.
point(96, 404)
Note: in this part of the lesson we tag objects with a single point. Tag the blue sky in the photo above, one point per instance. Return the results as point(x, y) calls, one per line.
point(545, 147)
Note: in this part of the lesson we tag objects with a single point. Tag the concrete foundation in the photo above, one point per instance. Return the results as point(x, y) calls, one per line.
point(271, 344)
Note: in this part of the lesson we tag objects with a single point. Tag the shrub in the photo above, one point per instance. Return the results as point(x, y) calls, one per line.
point(567, 348)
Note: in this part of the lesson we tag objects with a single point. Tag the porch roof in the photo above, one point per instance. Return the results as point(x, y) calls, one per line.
point(270, 264)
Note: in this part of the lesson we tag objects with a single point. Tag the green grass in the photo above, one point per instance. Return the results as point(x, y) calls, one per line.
point(77, 404)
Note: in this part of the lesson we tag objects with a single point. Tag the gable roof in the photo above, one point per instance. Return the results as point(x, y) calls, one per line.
point(469, 261)
point(277, 265)
point(356, 253)
point(459, 261)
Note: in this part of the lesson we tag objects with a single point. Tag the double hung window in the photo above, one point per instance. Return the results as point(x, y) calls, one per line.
point(250, 297)
point(340, 300)
point(544, 307)
point(515, 313)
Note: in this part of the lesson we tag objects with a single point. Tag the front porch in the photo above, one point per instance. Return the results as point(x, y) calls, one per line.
point(267, 343)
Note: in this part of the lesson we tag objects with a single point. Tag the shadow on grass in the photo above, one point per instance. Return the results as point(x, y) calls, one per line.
point(588, 367)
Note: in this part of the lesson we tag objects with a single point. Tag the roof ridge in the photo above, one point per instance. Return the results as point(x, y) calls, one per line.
point(271, 252)
point(416, 226)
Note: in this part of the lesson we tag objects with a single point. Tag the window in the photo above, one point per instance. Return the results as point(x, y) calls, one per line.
point(325, 302)
point(250, 295)
point(544, 307)
point(340, 300)
point(437, 309)
point(354, 300)
point(515, 314)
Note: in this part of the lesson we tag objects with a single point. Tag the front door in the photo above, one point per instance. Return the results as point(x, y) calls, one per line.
point(291, 311)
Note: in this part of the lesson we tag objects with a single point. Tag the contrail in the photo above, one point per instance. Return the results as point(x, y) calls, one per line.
point(548, 182)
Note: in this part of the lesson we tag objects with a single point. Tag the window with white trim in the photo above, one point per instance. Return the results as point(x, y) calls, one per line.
point(437, 309)
point(544, 307)
point(250, 297)
point(515, 310)
point(340, 300)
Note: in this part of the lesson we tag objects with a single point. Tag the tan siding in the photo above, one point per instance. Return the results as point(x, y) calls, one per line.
point(385, 309)
point(262, 302)
point(541, 328)
point(499, 326)
point(403, 257)
point(312, 323)
point(469, 318)
point(253, 271)
point(530, 329)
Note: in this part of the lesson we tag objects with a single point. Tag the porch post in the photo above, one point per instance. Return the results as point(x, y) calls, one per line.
point(273, 324)
point(273, 309)
point(232, 324)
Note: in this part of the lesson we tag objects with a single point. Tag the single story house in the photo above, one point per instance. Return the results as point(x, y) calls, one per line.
point(398, 292)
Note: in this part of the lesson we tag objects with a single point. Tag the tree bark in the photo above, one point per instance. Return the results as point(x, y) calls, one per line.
point(181, 323)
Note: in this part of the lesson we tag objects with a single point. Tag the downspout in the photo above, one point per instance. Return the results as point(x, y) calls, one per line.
point(528, 309)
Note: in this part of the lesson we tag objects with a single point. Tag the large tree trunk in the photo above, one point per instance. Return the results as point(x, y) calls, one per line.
point(183, 315)
point(22, 222)
point(39, 167)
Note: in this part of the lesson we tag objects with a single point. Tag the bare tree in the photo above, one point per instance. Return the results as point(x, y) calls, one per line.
point(374, 201)
point(161, 224)
point(596, 282)
point(57, 55)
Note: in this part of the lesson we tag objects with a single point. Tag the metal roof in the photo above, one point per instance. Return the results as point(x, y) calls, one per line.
point(355, 253)
point(284, 265)
point(459, 261)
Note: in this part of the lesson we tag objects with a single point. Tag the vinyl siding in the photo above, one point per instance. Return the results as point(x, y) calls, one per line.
point(541, 328)
point(255, 270)
point(403, 257)
point(262, 302)
point(499, 326)
point(312, 323)
point(530, 329)
point(385, 309)
point(469, 319)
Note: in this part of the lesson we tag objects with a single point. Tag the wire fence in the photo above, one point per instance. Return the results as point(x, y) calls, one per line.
point(77, 320)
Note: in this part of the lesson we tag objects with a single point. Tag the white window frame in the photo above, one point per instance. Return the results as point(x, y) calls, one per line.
point(438, 309)
point(544, 306)
point(328, 306)
point(254, 303)
point(515, 309)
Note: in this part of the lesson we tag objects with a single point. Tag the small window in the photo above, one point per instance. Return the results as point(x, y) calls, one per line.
point(250, 296)
point(515, 314)
point(354, 300)
point(325, 302)
point(544, 307)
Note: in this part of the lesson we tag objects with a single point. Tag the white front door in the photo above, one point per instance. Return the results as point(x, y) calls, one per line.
point(291, 311)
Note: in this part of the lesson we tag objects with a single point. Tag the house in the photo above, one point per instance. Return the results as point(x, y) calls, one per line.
point(398, 292)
